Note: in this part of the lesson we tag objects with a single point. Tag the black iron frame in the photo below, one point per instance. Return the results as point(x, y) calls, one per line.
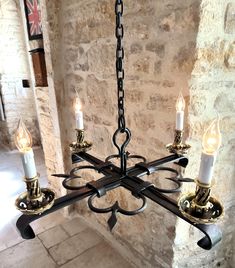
point(131, 181)
point(129, 178)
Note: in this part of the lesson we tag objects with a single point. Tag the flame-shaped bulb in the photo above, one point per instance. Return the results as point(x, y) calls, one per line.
point(180, 103)
point(23, 139)
point(78, 114)
point(211, 140)
point(77, 105)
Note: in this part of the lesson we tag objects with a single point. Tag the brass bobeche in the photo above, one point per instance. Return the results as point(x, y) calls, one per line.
point(80, 145)
point(36, 200)
point(178, 147)
point(201, 207)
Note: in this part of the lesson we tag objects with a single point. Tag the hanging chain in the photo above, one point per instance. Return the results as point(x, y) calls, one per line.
point(119, 32)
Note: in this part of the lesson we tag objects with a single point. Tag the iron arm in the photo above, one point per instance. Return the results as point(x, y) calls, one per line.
point(131, 182)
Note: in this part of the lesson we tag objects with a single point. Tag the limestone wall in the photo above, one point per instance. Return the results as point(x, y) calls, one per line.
point(212, 91)
point(18, 100)
point(159, 43)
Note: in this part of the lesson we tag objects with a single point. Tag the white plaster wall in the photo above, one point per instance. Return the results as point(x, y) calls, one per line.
point(14, 66)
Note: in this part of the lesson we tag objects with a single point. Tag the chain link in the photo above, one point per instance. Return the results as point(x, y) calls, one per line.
point(119, 32)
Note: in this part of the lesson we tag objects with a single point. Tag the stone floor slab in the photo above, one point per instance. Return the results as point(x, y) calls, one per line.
point(49, 221)
point(27, 254)
point(101, 256)
point(74, 246)
point(9, 236)
point(74, 226)
point(53, 236)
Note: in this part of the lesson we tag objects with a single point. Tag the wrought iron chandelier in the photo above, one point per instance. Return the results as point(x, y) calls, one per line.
point(199, 208)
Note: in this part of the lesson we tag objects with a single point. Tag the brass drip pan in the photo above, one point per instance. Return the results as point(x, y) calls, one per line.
point(178, 148)
point(80, 147)
point(208, 214)
point(35, 206)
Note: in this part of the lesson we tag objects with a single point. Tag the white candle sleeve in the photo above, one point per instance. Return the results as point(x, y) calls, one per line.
point(206, 168)
point(79, 120)
point(179, 120)
point(29, 164)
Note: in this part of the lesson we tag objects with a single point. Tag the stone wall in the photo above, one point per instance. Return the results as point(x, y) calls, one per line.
point(47, 106)
point(212, 91)
point(160, 39)
point(14, 67)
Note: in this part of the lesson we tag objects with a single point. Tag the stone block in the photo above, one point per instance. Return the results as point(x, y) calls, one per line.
point(101, 256)
point(229, 20)
point(74, 246)
point(142, 65)
point(99, 95)
point(53, 236)
point(229, 57)
point(50, 221)
point(145, 121)
point(74, 226)
point(81, 61)
point(159, 102)
point(158, 66)
point(156, 47)
point(134, 96)
point(136, 48)
point(185, 58)
point(224, 103)
point(27, 254)
point(101, 58)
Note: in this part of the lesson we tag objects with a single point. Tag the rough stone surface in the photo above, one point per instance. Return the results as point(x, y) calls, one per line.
point(74, 226)
point(29, 249)
point(229, 20)
point(102, 253)
point(53, 236)
point(74, 246)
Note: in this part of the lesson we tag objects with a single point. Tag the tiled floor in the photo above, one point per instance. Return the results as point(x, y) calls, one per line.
point(59, 242)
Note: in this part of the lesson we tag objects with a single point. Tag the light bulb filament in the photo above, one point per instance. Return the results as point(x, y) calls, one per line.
point(212, 138)
point(23, 139)
point(180, 103)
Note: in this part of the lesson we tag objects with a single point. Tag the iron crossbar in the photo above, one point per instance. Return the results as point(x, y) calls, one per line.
point(132, 181)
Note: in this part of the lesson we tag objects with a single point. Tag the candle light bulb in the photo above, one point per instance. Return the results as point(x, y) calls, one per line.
point(211, 140)
point(23, 139)
point(180, 103)
point(78, 114)
point(77, 105)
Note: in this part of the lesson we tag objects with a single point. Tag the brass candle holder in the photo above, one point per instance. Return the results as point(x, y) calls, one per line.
point(36, 200)
point(178, 147)
point(201, 207)
point(80, 145)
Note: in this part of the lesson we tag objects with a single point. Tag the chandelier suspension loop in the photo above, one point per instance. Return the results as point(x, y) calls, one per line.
point(121, 148)
point(128, 156)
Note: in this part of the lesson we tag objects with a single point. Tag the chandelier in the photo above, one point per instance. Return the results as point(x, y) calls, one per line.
point(198, 208)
